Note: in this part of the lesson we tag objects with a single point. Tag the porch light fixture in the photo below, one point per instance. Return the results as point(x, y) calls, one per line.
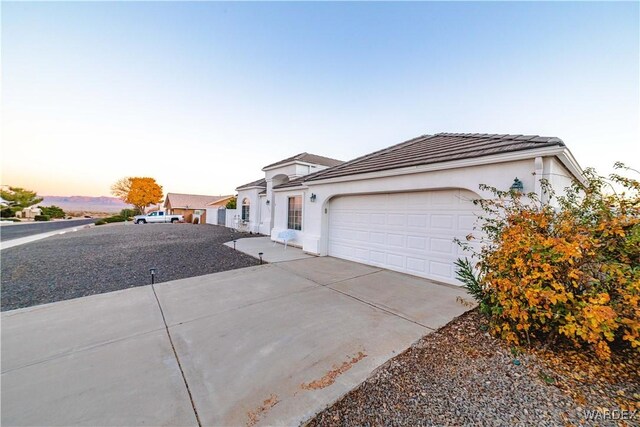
point(268, 202)
point(517, 186)
point(313, 197)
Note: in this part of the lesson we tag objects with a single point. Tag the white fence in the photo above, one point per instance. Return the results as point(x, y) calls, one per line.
point(212, 216)
point(231, 218)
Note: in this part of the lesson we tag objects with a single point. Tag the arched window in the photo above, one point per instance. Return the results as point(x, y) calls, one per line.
point(245, 209)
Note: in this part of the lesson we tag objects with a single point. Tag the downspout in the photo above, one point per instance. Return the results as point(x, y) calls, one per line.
point(538, 174)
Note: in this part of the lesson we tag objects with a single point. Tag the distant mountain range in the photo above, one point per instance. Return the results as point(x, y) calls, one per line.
point(85, 203)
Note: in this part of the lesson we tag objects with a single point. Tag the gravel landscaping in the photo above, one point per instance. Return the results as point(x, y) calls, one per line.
point(113, 257)
point(460, 375)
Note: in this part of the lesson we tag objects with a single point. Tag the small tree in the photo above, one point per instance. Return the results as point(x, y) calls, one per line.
point(138, 191)
point(20, 198)
point(231, 204)
point(570, 272)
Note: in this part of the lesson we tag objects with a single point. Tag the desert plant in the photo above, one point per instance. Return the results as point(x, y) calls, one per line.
point(129, 213)
point(9, 211)
point(100, 222)
point(41, 218)
point(52, 211)
point(114, 218)
point(567, 272)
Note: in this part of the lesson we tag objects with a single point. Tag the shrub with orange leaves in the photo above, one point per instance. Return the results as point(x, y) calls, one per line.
point(569, 271)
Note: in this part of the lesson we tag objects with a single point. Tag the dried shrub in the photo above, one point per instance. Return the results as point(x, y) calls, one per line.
point(568, 270)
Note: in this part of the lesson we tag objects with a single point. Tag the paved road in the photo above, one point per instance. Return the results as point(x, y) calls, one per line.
point(16, 231)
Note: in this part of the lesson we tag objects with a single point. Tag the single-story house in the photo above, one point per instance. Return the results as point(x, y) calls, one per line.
point(29, 212)
point(400, 207)
point(193, 206)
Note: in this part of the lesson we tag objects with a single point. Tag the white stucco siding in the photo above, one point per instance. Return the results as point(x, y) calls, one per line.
point(316, 226)
point(253, 225)
point(410, 232)
point(281, 199)
point(558, 176)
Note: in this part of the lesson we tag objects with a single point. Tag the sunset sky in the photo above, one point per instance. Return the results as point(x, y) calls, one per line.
point(201, 95)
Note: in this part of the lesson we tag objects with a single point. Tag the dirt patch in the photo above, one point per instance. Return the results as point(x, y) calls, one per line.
point(330, 377)
point(460, 375)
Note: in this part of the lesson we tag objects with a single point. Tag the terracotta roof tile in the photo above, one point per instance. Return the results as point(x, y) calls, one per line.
point(307, 158)
point(436, 149)
point(257, 183)
point(191, 201)
point(430, 149)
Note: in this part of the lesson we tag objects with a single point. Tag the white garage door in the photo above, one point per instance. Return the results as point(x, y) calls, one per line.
point(408, 232)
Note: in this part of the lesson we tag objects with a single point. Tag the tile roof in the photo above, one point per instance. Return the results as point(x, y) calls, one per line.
point(191, 201)
point(307, 158)
point(257, 183)
point(430, 149)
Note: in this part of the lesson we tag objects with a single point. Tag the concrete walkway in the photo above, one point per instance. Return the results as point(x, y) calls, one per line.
point(266, 345)
point(271, 251)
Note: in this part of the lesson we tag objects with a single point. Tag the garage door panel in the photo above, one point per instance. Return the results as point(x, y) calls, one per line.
point(416, 242)
point(408, 232)
point(419, 221)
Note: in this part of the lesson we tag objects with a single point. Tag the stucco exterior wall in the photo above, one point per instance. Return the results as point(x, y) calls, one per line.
point(314, 234)
point(253, 225)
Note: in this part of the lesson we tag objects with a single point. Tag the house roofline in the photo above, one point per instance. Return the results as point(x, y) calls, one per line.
point(561, 152)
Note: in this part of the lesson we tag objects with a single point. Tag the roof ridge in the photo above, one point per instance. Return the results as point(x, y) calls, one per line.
point(507, 136)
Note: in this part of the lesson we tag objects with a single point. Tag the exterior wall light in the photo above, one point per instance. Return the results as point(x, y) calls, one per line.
point(313, 197)
point(268, 202)
point(517, 186)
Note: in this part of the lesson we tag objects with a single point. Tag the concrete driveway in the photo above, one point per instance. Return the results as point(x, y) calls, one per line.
point(265, 345)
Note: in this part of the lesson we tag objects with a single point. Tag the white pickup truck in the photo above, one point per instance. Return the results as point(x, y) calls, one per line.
point(157, 216)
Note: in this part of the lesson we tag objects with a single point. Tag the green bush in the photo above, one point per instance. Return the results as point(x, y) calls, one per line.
point(232, 203)
point(41, 218)
point(11, 219)
point(52, 211)
point(114, 218)
point(100, 222)
point(8, 212)
point(129, 213)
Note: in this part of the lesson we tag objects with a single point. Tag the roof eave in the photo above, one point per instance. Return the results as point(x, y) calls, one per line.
point(253, 187)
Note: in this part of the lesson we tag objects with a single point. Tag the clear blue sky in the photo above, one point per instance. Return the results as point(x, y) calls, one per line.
point(202, 95)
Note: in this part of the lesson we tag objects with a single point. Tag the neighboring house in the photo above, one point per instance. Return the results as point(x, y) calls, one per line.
point(193, 206)
point(401, 207)
point(255, 205)
point(29, 212)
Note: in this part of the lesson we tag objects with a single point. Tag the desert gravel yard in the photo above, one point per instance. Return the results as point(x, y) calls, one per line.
point(112, 257)
point(459, 375)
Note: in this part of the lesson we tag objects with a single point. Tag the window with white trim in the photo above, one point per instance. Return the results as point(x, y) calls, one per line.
point(294, 217)
point(245, 209)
